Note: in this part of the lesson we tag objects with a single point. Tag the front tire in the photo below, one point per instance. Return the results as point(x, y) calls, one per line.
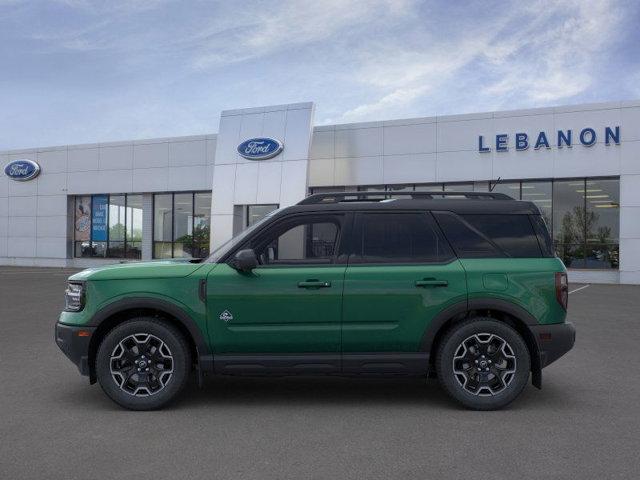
point(143, 363)
point(484, 364)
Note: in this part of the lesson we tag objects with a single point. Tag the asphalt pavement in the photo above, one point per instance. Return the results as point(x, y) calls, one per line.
point(583, 424)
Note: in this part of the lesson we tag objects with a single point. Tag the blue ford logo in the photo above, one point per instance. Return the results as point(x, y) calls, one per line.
point(260, 148)
point(22, 170)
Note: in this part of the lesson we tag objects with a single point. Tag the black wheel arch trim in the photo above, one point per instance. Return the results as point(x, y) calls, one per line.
point(169, 308)
point(461, 310)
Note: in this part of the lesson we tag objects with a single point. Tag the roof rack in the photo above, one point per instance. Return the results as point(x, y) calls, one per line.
point(370, 196)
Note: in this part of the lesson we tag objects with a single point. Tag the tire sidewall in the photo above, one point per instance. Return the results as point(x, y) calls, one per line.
point(179, 351)
point(451, 342)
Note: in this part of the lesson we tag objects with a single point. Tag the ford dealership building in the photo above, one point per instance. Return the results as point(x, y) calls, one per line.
point(81, 205)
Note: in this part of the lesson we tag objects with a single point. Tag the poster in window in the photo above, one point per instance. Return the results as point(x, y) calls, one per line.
point(83, 219)
point(99, 218)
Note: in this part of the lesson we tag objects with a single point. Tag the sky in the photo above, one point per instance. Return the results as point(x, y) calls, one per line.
point(80, 71)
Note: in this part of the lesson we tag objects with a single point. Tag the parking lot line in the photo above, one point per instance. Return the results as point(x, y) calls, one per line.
point(578, 289)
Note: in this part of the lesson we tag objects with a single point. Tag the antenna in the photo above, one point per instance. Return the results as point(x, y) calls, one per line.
point(494, 185)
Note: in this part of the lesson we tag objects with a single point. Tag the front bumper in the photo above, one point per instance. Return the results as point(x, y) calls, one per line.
point(74, 343)
point(553, 341)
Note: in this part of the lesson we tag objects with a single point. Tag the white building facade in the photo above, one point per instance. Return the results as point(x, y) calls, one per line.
point(82, 205)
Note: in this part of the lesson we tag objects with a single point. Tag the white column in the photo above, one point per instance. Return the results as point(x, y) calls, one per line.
point(279, 180)
point(630, 229)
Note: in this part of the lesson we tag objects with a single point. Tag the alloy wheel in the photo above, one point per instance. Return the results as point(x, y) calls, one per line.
point(141, 364)
point(484, 364)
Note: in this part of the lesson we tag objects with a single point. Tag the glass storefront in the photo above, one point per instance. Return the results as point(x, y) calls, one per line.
point(181, 224)
point(583, 214)
point(108, 226)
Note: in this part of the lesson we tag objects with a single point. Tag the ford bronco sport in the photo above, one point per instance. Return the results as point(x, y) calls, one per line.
point(461, 286)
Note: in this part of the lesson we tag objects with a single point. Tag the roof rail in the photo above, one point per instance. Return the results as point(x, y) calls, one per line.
point(370, 196)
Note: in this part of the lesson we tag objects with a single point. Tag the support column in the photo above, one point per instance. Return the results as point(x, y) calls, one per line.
point(279, 180)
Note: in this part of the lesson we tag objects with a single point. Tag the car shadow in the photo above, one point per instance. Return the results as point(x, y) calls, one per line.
point(250, 392)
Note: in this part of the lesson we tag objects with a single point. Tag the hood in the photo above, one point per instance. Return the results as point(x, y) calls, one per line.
point(139, 270)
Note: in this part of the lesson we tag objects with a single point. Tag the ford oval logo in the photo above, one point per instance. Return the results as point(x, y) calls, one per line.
point(260, 148)
point(22, 170)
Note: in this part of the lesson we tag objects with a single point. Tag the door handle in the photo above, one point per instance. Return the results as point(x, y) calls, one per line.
point(314, 284)
point(431, 282)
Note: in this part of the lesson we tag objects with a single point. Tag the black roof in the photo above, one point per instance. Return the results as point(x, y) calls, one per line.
point(456, 202)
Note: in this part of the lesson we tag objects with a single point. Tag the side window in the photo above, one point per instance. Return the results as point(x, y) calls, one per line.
point(465, 240)
point(398, 238)
point(302, 241)
point(514, 234)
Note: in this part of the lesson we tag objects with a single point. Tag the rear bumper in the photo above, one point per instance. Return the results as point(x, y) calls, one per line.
point(74, 344)
point(553, 341)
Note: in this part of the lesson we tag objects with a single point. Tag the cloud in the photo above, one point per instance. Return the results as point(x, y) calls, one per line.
point(255, 33)
point(541, 53)
point(555, 63)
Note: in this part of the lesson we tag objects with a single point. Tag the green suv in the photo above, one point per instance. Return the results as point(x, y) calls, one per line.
point(462, 286)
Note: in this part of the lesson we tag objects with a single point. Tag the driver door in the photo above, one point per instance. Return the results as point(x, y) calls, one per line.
point(291, 303)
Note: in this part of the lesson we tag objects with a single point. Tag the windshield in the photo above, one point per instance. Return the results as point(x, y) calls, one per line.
point(232, 243)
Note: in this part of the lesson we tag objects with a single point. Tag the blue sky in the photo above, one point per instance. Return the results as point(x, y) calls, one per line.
point(80, 71)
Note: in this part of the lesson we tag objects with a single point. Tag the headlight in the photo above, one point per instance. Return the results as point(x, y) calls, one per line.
point(74, 297)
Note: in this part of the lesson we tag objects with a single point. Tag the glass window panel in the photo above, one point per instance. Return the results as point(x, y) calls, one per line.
point(182, 224)
point(327, 189)
point(82, 249)
point(511, 189)
point(480, 186)
point(162, 250)
point(514, 234)
point(134, 226)
point(372, 188)
point(255, 213)
point(98, 249)
point(312, 242)
point(603, 211)
point(116, 218)
point(429, 187)
point(400, 188)
point(571, 255)
point(568, 212)
point(601, 256)
point(458, 187)
point(115, 249)
point(465, 241)
point(539, 193)
point(162, 217)
point(82, 229)
point(201, 224)
point(400, 238)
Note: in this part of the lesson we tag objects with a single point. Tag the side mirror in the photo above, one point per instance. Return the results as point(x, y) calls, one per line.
point(245, 260)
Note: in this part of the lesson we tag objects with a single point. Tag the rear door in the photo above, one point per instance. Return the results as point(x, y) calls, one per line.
point(401, 273)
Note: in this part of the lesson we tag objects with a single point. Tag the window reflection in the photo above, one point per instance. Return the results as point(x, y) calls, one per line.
point(541, 194)
point(108, 226)
point(582, 215)
point(182, 224)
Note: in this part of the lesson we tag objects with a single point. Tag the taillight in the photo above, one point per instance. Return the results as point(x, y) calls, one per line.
point(562, 289)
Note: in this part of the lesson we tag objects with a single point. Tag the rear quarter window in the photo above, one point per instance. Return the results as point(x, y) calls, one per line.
point(489, 235)
point(514, 234)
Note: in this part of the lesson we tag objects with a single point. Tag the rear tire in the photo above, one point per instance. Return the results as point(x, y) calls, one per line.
point(143, 363)
point(484, 364)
